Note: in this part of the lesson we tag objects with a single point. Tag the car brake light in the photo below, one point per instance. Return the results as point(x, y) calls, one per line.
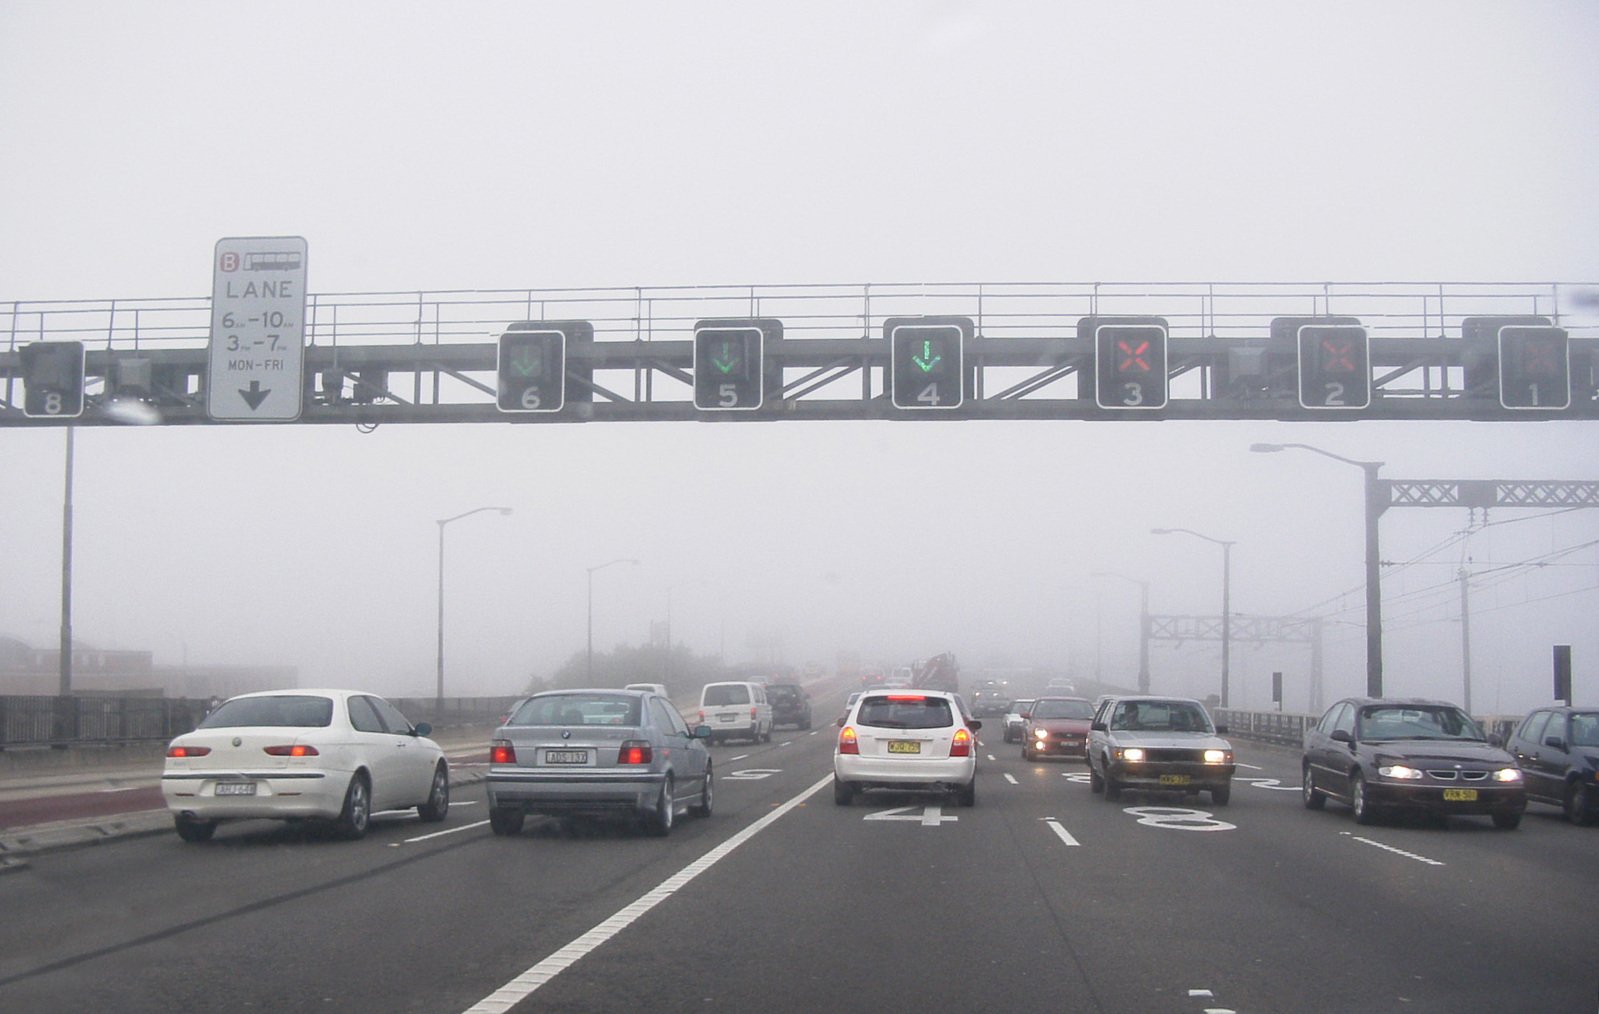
point(753, 713)
point(635, 751)
point(847, 742)
point(502, 752)
point(961, 744)
point(291, 750)
point(907, 697)
point(188, 751)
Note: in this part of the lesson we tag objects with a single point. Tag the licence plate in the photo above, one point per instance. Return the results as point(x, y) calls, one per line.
point(1460, 795)
point(566, 757)
point(1174, 779)
point(904, 746)
point(727, 718)
point(235, 788)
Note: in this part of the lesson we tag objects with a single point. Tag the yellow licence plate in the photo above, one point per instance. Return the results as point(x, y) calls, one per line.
point(1174, 779)
point(904, 746)
point(1460, 795)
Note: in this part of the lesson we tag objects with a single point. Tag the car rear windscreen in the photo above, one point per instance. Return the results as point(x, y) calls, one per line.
point(579, 709)
point(286, 712)
point(906, 713)
point(1063, 709)
point(726, 693)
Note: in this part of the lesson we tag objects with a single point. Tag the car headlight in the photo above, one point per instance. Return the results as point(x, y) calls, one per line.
point(1507, 775)
point(1131, 753)
point(1041, 733)
point(1218, 756)
point(1401, 771)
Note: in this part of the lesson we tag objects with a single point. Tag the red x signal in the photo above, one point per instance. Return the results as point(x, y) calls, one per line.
point(1133, 355)
point(1338, 355)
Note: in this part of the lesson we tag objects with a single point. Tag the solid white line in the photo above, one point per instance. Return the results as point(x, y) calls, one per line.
point(1011, 778)
point(437, 834)
point(1064, 834)
point(521, 987)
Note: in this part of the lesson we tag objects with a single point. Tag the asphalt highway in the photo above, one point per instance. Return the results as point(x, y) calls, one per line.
point(1043, 896)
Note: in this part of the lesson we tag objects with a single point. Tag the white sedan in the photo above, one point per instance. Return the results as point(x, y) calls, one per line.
point(336, 755)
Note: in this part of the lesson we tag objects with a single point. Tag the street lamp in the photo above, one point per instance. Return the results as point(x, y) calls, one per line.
point(598, 566)
point(439, 691)
point(1226, 598)
point(1376, 502)
point(1143, 626)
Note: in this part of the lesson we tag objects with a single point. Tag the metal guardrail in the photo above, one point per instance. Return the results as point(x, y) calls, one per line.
point(33, 721)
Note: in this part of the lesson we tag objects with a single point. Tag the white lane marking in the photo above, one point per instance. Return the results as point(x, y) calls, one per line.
point(933, 816)
point(1011, 778)
point(1065, 835)
point(1252, 767)
point(786, 742)
point(1395, 851)
point(1207, 994)
point(436, 834)
point(742, 756)
point(813, 732)
point(1268, 783)
point(993, 758)
point(750, 774)
point(130, 788)
point(521, 987)
point(1178, 818)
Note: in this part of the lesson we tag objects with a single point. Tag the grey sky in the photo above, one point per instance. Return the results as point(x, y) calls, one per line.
point(539, 145)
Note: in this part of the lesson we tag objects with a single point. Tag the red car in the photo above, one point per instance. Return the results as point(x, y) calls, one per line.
point(1057, 727)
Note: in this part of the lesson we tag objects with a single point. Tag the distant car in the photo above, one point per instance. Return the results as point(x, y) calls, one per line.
point(1558, 752)
point(1391, 755)
point(736, 709)
point(599, 753)
point(854, 696)
point(334, 755)
point(990, 697)
point(1062, 686)
point(1057, 727)
point(899, 739)
point(1016, 718)
point(791, 705)
point(1164, 744)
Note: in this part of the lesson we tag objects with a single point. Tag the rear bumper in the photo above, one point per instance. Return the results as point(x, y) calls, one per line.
point(279, 795)
point(573, 792)
point(901, 773)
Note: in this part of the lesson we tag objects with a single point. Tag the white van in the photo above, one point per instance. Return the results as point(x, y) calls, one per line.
point(654, 688)
point(736, 710)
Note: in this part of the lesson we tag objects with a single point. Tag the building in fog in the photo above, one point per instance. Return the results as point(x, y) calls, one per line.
point(29, 671)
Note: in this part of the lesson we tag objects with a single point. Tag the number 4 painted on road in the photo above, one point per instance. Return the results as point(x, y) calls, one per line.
point(929, 816)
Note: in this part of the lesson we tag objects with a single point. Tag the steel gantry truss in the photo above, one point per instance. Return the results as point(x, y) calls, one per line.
point(430, 357)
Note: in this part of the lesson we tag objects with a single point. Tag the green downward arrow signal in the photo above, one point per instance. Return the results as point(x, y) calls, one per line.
point(525, 362)
point(727, 360)
point(927, 360)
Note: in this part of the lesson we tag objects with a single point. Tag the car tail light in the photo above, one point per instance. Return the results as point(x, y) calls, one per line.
point(960, 745)
point(702, 716)
point(635, 751)
point(188, 751)
point(847, 742)
point(291, 750)
point(754, 713)
point(502, 752)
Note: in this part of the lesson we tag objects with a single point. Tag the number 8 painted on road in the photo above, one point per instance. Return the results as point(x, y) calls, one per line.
point(1178, 819)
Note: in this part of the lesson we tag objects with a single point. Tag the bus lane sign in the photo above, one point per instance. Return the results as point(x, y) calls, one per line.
point(256, 370)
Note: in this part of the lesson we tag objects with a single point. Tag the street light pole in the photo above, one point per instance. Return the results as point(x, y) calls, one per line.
point(439, 689)
point(598, 566)
point(1226, 600)
point(1376, 497)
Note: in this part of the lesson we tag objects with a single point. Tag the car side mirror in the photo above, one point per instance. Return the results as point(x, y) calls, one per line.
point(701, 732)
point(840, 723)
point(1097, 726)
point(1343, 736)
point(1554, 741)
point(974, 724)
point(421, 729)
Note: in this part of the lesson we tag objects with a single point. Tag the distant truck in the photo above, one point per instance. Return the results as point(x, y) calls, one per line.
point(941, 672)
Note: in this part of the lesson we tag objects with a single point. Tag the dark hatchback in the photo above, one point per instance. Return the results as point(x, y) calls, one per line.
point(791, 705)
point(1558, 750)
point(1395, 755)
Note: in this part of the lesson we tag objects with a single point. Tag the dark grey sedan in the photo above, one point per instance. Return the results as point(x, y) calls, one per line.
point(598, 753)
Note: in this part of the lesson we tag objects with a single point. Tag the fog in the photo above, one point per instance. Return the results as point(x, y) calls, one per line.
point(504, 145)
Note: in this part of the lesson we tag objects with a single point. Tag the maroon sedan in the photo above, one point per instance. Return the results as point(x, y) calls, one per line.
point(1057, 727)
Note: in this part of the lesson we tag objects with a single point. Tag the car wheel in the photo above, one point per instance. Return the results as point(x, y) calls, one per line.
point(703, 807)
point(505, 819)
point(1027, 752)
point(1579, 808)
point(194, 830)
point(357, 813)
point(438, 805)
point(1314, 798)
point(1095, 783)
point(1507, 821)
point(1219, 797)
point(659, 822)
point(843, 792)
point(966, 795)
point(1364, 812)
point(1113, 788)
